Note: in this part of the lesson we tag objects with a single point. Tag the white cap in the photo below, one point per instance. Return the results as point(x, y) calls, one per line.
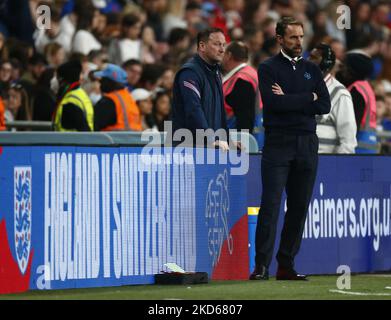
point(141, 94)
point(99, 4)
point(386, 86)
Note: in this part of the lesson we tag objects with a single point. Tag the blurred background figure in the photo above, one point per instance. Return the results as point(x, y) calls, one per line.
point(355, 72)
point(44, 99)
point(128, 46)
point(143, 99)
point(134, 70)
point(117, 110)
point(241, 80)
point(84, 40)
point(2, 115)
point(74, 110)
point(161, 109)
point(336, 130)
point(18, 105)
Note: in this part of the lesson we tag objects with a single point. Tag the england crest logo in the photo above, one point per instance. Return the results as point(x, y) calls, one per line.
point(22, 216)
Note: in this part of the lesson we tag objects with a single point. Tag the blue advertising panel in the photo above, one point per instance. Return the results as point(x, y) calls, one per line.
point(348, 220)
point(77, 217)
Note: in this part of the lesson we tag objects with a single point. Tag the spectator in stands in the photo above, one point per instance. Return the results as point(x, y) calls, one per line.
point(36, 66)
point(17, 69)
point(55, 54)
point(179, 42)
point(151, 76)
point(193, 18)
point(161, 109)
point(117, 110)
point(44, 99)
point(84, 40)
point(149, 46)
point(19, 103)
point(355, 71)
point(143, 99)
point(74, 111)
point(338, 48)
point(5, 75)
point(134, 70)
point(254, 39)
point(129, 46)
point(166, 81)
point(360, 24)
point(54, 34)
point(3, 48)
point(336, 130)
point(255, 12)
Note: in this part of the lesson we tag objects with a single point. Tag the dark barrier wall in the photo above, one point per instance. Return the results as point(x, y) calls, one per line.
point(75, 217)
point(348, 220)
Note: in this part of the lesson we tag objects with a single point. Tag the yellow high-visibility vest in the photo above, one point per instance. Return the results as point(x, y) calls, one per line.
point(79, 98)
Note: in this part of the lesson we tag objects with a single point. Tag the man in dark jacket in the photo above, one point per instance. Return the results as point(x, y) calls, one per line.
point(198, 101)
point(293, 92)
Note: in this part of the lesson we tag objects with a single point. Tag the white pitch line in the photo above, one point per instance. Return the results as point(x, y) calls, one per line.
point(388, 288)
point(360, 293)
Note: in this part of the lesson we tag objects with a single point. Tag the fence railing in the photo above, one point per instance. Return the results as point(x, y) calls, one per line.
point(30, 125)
point(109, 138)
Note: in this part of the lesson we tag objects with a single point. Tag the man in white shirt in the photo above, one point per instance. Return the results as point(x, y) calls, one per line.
point(337, 129)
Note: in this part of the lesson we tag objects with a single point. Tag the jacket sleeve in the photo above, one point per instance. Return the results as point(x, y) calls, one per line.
point(105, 114)
point(280, 103)
point(243, 109)
point(322, 105)
point(345, 123)
point(73, 118)
point(190, 92)
point(359, 106)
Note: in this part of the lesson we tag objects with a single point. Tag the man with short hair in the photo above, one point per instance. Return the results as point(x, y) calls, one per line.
point(337, 129)
point(241, 80)
point(198, 101)
point(74, 110)
point(293, 92)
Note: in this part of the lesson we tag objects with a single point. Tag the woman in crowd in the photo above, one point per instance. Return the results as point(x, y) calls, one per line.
point(18, 106)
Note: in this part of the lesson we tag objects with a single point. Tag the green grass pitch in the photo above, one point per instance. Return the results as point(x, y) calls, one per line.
point(318, 287)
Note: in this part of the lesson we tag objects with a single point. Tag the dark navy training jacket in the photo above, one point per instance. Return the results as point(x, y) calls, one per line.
point(295, 110)
point(198, 101)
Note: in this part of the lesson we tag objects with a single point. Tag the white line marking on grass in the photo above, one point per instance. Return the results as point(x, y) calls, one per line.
point(388, 288)
point(360, 293)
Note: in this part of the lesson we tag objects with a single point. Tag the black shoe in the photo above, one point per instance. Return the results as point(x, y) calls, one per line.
point(260, 273)
point(289, 274)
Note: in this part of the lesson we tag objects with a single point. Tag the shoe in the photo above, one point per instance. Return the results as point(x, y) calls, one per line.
point(289, 274)
point(260, 273)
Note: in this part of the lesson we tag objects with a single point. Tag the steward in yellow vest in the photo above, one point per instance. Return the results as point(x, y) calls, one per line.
point(74, 111)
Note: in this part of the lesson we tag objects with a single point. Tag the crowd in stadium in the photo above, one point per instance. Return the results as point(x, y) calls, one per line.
point(150, 39)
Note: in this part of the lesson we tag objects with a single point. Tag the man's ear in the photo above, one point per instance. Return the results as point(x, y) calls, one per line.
point(201, 45)
point(279, 38)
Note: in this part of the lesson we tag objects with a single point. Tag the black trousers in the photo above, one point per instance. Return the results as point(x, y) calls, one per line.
point(289, 162)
